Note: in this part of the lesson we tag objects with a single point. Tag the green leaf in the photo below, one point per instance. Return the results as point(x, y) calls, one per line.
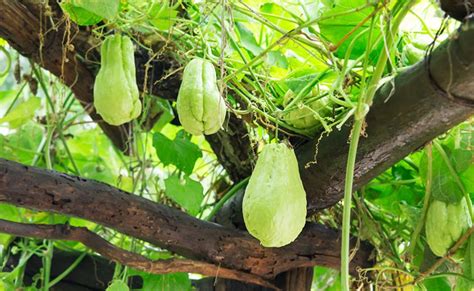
point(162, 16)
point(276, 58)
point(446, 189)
point(175, 281)
point(80, 15)
point(281, 18)
point(334, 29)
point(438, 284)
point(107, 9)
point(21, 145)
point(467, 178)
point(297, 80)
point(166, 114)
point(326, 279)
point(180, 152)
point(186, 192)
point(461, 159)
point(6, 98)
point(22, 112)
point(178, 281)
point(247, 39)
point(444, 186)
point(118, 285)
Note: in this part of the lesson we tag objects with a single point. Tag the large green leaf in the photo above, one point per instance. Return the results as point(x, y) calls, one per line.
point(438, 284)
point(444, 185)
point(445, 188)
point(162, 16)
point(22, 112)
point(180, 152)
point(276, 58)
point(334, 29)
point(89, 12)
point(175, 281)
point(298, 79)
point(80, 15)
point(185, 191)
point(21, 145)
point(247, 39)
point(278, 15)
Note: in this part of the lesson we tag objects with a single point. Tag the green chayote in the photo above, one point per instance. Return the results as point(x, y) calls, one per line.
point(116, 96)
point(304, 117)
point(274, 205)
point(201, 108)
point(445, 223)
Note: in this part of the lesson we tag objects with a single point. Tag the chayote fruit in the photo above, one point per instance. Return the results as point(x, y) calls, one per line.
point(201, 108)
point(274, 205)
point(445, 223)
point(304, 117)
point(115, 88)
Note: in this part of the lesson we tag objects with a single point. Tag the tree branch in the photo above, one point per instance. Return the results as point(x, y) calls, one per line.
point(113, 253)
point(166, 227)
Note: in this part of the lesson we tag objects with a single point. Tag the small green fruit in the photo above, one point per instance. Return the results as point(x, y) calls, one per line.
point(201, 108)
point(445, 223)
point(116, 96)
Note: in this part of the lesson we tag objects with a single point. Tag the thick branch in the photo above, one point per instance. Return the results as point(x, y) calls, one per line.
point(113, 253)
point(418, 111)
point(169, 228)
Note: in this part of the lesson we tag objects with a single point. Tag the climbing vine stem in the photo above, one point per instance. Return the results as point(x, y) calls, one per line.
point(359, 120)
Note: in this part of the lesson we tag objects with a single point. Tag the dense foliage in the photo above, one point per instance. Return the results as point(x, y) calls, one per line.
point(292, 70)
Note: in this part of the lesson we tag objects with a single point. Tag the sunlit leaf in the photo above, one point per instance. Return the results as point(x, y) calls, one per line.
point(180, 152)
point(22, 144)
point(340, 29)
point(185, 191)
point(22, 112)
point(279, 16)
point(162, 16)
point(248, 40)
point(276, 58)
point(80, 15)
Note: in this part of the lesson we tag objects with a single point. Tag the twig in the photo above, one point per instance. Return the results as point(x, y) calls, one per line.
point(114, 253)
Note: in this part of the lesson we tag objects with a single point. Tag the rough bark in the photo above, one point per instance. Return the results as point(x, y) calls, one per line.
point(458, 9)
point(108, 250)
point(419, 110)
point(169, 228)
